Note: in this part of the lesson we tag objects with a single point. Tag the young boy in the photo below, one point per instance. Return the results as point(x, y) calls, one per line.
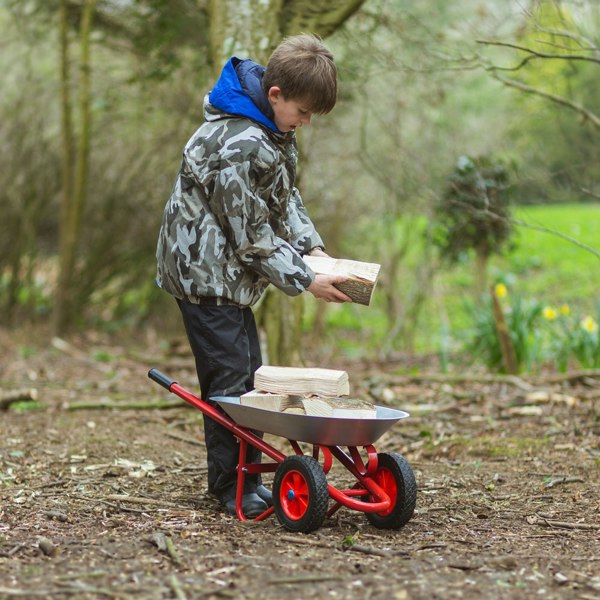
point(235, 223)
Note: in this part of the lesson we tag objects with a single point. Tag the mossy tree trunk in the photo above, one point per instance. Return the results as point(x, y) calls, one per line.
point(252, 28)
point(74, 176)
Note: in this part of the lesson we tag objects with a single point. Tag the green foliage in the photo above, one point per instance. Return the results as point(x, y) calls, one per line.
point(573, 338)
point(559, 147)
point(522, 319)
point(541, 335)
point(474, 210)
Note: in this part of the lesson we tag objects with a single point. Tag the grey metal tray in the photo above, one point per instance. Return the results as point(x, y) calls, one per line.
point(326, 431)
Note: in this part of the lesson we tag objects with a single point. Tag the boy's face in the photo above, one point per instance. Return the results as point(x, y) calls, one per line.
point(289, 114)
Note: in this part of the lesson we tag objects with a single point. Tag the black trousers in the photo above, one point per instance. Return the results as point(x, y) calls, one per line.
point(225, 343)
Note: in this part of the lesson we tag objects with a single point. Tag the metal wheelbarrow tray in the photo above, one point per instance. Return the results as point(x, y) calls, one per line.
point(385, 487)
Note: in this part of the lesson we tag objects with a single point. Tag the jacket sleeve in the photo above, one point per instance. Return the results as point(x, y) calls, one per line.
point(243, 216)
point(304, 235)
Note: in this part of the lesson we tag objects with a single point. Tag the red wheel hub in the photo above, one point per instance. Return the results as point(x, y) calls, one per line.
point(294, 495)
point(385, 480)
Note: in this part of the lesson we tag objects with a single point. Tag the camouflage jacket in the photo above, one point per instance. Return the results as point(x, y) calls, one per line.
point(235, 222)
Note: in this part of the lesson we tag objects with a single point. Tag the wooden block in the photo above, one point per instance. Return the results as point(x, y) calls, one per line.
point(347, 408)
point(298, 381)
point(362, 276)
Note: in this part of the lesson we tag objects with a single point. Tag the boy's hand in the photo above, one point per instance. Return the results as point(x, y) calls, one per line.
point(318, 252)
point(322, 287)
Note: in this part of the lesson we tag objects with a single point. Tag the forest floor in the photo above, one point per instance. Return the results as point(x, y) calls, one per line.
point(110, 501)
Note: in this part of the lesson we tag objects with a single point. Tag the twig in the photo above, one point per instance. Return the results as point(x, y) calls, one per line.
point(566, 525)
point(304, 540)
point(446, 378)
point(184, 438)
point(595, 119)
point(172, 551)
point(304, 579)
point(138, 500)
point(559, 480)
point(141, 405)
point(572, 376)
point(15, 549)
point(368, 550)
point(176, 587)
point(27, 593)
point(535, 54)
point(165, 544)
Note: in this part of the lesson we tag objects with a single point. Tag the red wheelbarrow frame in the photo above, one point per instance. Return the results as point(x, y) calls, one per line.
point(378, 500)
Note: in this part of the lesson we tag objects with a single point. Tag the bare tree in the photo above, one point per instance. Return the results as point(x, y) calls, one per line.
point(74, 177)
point(254, 28)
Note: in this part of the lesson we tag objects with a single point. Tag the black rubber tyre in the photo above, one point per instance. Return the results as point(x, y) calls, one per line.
point(396, 477)
point(300, 495)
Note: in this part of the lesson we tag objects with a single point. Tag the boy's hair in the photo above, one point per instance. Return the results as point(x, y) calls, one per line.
point(303, 68)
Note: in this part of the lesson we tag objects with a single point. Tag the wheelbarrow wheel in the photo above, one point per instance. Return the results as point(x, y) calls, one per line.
point(395, 476)
point(300, 493)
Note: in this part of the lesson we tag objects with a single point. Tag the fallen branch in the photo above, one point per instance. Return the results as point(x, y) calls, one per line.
point(184, 438)
point(304, 579)
point(572, 376)
point(560, 480)
point(141, 405)
point(176, 587)
point(566, 525)
point(137, 500)
point(9, 397)
point(26, 593)
point(165, 544)
point(374, 551)
point(172, 551)
point(305, 541)
point(446, 378)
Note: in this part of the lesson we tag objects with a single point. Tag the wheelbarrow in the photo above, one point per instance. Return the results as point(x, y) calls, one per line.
point(385, 488)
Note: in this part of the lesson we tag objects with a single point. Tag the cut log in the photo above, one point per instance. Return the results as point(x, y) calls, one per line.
point(269, 401)
point(298, 381)
point(361, 276)
point(347, 408)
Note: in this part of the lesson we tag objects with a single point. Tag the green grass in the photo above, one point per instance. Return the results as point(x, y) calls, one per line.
point(539, 266)
point(553, 269)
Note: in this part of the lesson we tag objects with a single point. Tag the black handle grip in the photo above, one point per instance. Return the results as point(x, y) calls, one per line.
point(161, 378)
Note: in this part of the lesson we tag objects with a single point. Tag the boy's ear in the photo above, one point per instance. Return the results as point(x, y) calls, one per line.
point(274, 94)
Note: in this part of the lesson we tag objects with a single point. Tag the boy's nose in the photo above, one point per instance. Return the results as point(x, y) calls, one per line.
point(305, 119)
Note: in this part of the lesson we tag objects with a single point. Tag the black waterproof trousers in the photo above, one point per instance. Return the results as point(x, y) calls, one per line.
point(225, 343)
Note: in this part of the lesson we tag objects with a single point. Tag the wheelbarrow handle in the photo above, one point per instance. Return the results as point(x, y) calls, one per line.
point(161, 378)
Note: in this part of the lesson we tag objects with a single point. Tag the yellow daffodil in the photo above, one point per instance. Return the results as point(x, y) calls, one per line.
point(549, 313)
point(589, 324)
point(565, 311)
point(500, 291)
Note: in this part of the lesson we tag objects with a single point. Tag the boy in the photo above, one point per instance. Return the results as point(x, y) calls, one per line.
point(235, 223)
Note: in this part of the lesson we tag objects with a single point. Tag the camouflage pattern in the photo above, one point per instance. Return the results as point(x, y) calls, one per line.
point(235, 222)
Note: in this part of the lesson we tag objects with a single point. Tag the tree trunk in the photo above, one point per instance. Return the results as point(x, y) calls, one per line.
point(74, 183)
point(252, 28)
point(481, 260)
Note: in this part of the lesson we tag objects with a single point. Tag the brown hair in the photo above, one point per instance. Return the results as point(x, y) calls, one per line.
point(303, 68)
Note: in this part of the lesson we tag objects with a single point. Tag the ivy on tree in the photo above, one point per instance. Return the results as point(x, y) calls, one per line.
point(474, 213)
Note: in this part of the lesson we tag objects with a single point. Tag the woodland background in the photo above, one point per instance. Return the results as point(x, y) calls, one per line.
point(463, 154)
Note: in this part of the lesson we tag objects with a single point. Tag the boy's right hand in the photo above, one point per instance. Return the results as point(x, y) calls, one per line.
point(322, 287)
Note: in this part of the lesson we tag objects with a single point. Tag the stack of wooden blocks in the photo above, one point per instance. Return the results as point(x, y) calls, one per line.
point(307, 391)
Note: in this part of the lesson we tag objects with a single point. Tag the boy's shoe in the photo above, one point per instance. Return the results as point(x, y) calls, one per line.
point(265, 494)
point(252, 505)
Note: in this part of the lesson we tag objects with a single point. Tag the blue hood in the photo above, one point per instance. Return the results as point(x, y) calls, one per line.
point(239, 92)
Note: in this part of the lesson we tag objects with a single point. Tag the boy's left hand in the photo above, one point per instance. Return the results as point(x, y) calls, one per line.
point(318, 252)
point(322, 287)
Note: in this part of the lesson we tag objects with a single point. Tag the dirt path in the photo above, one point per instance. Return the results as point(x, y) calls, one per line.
point(508, 501)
